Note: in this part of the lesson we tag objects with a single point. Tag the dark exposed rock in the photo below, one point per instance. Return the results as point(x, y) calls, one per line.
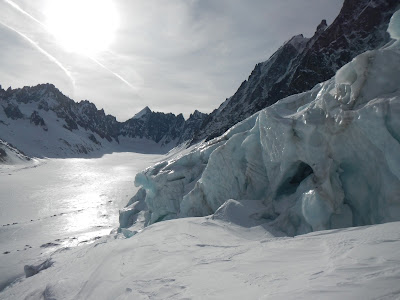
point(65, 142)
point(160, 127)
point(93, 139)
point(37, 119)
point(3, 155)
point(192, 125)
point(154, 126)
point(43, 105)
point(12, 112)
point(70, 124)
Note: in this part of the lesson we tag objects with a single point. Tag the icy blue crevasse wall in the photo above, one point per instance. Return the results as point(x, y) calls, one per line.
point(327, 158)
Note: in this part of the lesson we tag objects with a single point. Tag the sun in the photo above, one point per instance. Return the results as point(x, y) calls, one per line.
point(85, 27)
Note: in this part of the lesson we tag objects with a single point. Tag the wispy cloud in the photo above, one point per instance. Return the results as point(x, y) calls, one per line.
point(19, 9)
point(115, 74)
point(41, 50)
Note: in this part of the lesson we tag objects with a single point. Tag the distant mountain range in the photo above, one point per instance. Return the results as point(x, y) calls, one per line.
point(41, 121)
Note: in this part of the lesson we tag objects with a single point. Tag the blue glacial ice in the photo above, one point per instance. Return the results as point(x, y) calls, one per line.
point(327, 158)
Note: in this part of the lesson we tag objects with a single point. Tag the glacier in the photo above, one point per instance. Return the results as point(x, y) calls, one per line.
point(324, 159)
point(327, 158)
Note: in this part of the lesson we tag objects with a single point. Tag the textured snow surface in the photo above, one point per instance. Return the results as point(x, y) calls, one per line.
point(327, 158)
point(202, 258)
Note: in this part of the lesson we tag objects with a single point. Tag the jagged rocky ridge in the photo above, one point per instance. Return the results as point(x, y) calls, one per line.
point(301, 63)
point(297, 66)
point(326, 158)
point(41, 121)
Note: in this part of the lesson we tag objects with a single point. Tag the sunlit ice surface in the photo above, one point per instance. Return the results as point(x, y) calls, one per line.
point(85, 27)
point(53, 204)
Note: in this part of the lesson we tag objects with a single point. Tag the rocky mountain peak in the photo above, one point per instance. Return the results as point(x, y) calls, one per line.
point(302, 63)
point(143, 112)
point(78, 128)
point(196, 114)
point(298, 42)
point(322, 26)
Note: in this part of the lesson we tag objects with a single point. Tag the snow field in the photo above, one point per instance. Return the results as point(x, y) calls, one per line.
point(202, 258)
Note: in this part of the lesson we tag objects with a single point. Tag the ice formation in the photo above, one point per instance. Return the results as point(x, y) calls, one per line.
point(327, 158)
point(394, 26)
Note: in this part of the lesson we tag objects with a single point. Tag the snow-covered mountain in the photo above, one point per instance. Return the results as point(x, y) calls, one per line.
point(323, 159)
point(41, 121)
point(162, 128)
point(301, 63)
point(11, 155)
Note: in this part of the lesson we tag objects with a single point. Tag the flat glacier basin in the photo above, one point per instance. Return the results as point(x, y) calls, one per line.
point(50, 204)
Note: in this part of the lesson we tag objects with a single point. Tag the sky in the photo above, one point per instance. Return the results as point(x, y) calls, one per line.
point(173, 56)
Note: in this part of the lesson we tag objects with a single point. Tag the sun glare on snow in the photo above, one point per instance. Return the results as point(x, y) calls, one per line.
point(82, 26)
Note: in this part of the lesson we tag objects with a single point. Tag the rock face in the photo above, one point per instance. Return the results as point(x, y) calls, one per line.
point(154, 126)
point(302, 63)
point(162, 128)
point(41, 118)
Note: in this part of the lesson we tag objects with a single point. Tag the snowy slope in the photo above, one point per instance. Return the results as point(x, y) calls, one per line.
point(202, 258)
point(302, 63)
point(327, 158)
point(10, 155)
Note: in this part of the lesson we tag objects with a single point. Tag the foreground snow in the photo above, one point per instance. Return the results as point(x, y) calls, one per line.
point(206, 258)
